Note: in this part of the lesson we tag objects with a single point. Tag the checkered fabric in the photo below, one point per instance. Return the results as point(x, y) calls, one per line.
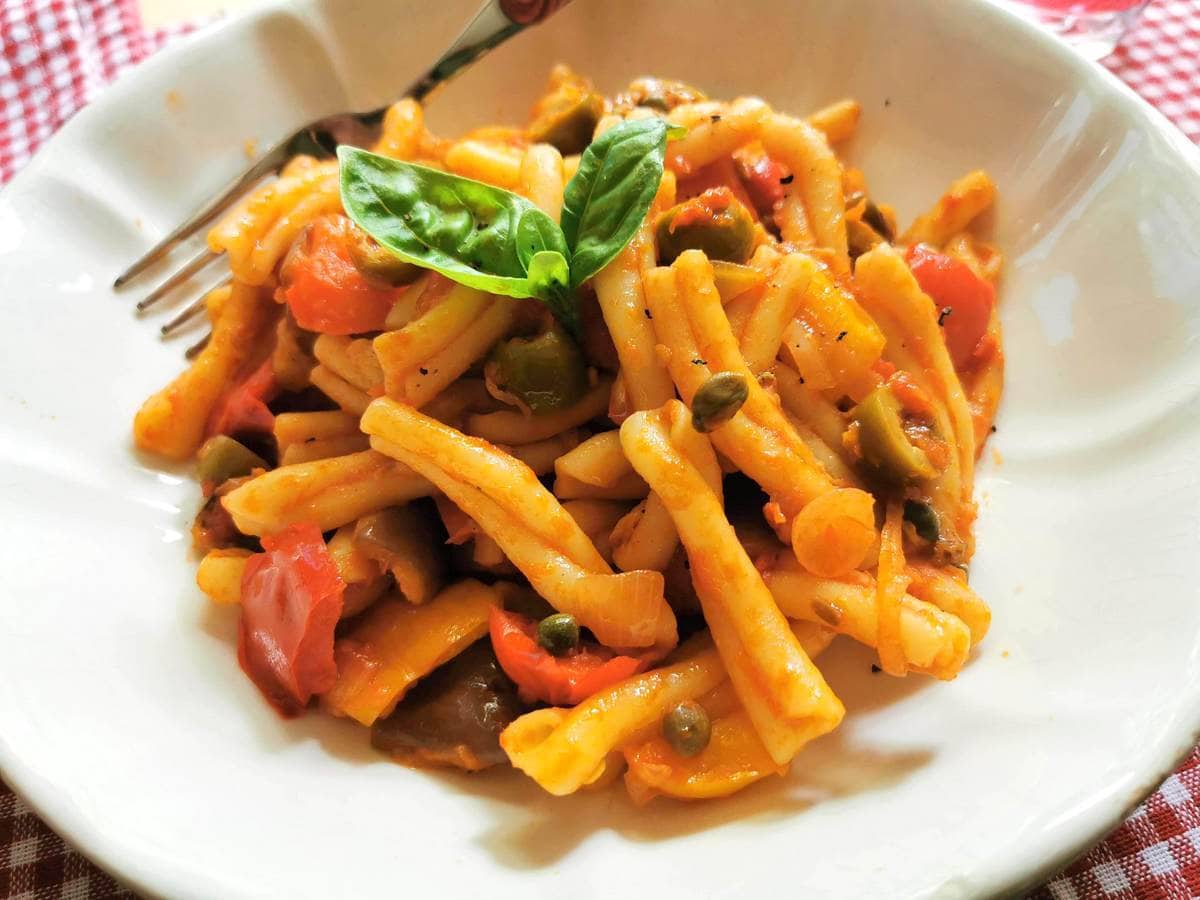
point(1160, 59)
point(56, 55)
point(1155, 853)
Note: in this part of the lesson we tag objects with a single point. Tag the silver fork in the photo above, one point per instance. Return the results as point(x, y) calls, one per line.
point(494, 23)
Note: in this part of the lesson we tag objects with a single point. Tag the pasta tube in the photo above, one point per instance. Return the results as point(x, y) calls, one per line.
point(302, 427)
point(816, 187)
point(511, 427)
point(497, 164)
point(759, 439)
point(563, 750)
point(783, 693)
point(328, 492)
point(462, 326)
point(646, 538)
point(837, 121)
point(323, 448)
point(623, 305)
point(537, 535)
point(629, 487)
point(541, 456)
point(932, 641)
point(598, 461)
point(219, 574)
point(763, 330)
point(403, 127)
point(172, 422)
point(352, 400)
point(734, 759)
point(947, 589)
point(257, 232)
point(364, 579)
point(541, 179)
point(714, 131)
point(597, 519)
point(833, 342)
point(965, 200)
point(351, 359)
point(908, 319)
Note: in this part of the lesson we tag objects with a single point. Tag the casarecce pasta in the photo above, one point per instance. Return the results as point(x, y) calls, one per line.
point(571, 445)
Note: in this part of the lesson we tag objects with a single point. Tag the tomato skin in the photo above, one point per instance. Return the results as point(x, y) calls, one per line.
point(557, 680)
point(244, 408)
point(763, 177)
point(721, 174)
point(323, 288)
point(952, 286)
point(291, 602)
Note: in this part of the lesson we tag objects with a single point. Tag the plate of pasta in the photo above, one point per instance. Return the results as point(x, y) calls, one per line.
point(699, 438)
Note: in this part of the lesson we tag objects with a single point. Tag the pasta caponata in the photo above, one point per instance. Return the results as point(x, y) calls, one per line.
point(580, 469)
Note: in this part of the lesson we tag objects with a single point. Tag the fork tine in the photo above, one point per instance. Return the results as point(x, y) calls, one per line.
point(193, 351)
point(190, 268)
point(194, 308)
point(267, 165)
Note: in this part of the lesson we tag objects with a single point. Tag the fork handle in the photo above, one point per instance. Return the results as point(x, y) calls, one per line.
point(496, 22)
point(530, 12)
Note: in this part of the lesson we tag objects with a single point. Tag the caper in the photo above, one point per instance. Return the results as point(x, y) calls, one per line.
point(687, 728)
point(923, 518)
point(714, 222)
point(558, 634)
point(378, 263)
point(221, 458)
point(718, 400)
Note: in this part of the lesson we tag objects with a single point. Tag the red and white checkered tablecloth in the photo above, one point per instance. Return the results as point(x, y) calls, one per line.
point(56, 55)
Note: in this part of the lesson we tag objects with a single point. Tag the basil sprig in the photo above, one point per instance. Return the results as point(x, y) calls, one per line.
point(496, 241)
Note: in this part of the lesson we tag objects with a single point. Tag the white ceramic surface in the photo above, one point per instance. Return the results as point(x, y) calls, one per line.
point(124, 718)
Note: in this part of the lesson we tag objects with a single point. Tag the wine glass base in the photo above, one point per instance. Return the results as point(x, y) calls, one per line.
point(1094, 34)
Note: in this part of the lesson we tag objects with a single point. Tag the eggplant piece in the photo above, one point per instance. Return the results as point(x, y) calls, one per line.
point(213, 527)
point(454, 716)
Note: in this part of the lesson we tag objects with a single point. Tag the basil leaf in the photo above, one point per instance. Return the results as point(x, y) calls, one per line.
point(478, 235)
point(550, 276)
point(606, 201)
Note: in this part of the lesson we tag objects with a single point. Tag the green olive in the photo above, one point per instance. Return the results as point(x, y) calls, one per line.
point(661, 94)
point(733, 279)
point(687, 728)
point(558, 634)
point(718, 400)
point(883, 443)
point(569, 121)
point(714, 222)
point(221, 458)
point(923, 518)
point(545, 373)
point(378, 263)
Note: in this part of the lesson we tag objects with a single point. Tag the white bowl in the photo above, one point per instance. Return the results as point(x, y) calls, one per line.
point(125, 721)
